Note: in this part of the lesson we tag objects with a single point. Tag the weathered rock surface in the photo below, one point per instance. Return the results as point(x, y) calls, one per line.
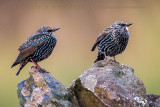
point(42, 90)
point(153, 100)
point(109, 84)
point(105, 84)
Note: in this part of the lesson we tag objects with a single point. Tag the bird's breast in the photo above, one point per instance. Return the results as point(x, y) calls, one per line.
point(45, 50)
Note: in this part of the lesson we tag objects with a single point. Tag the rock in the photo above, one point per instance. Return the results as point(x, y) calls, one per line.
point(109, 84)
point(42, 90)
point(105, 84)
point(153, 100)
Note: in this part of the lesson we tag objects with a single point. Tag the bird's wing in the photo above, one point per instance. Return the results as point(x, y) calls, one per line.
point(29, 47)
point(101, 37)
point(34, 40)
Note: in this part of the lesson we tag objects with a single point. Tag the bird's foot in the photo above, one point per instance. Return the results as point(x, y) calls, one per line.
point(41, 70)
point(106, 58)
point(115, 60)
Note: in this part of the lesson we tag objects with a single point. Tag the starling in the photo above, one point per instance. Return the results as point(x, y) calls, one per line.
point(38, 47)
point(112, 41)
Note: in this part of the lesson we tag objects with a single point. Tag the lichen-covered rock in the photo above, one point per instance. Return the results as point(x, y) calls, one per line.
point(42, 90)
point(105, 84)
point(109, 84)
point(153, 100)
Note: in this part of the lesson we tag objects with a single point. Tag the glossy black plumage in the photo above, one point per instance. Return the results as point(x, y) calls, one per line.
point(112, 41)
point(38, 47)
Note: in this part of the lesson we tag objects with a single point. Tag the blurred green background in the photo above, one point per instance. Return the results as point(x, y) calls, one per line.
point(80, 22)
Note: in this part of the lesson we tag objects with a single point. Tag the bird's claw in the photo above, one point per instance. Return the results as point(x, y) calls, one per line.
point(115, 61)
point(43, 71)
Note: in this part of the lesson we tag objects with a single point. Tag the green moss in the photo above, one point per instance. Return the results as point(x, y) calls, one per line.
point(85, 97)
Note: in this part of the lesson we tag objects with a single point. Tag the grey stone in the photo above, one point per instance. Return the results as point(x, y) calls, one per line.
point(42, 90)
point(109, 84)
point(105, 84)
point(153, 100)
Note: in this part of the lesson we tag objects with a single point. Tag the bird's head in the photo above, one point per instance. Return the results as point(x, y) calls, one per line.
point(120, 25)
point(47, 30)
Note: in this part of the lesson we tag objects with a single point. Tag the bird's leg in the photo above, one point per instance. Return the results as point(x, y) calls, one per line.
point(38, 67)
point(114, 59)
point(105, 57)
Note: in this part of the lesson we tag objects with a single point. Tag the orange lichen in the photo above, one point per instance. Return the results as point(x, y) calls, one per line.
point(25, 92)
point(46, 88)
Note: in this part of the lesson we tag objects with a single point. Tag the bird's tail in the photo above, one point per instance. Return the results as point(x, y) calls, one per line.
point(100, 56)
point(94, 47)
point(15, 63)
point(22, 64)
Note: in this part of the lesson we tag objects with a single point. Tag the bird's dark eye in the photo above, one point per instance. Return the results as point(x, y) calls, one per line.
point(49, 30)
point(123, 24)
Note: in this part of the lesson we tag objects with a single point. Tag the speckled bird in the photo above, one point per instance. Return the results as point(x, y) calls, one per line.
point(38, 47)
point(112, 41)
